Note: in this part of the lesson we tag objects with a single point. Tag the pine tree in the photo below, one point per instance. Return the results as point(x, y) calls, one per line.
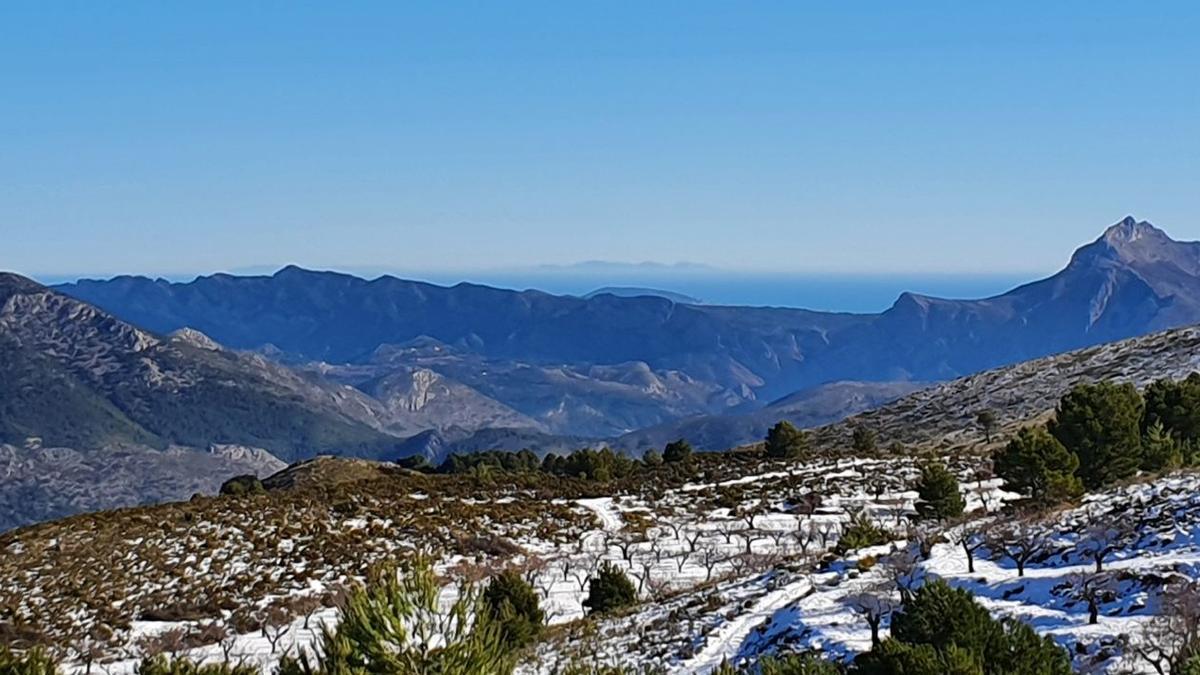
point(944, 630)
point(1100, 423)
point(395, 625)
point(938, 494)
point(1160, 450)
point(677, 451)
point(986, 419)
point(610, 589)
point(785, 441)
point(1037, 463)
point(862, 439)
point(513, 605)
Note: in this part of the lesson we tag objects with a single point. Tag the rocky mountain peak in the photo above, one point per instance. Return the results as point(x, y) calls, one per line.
point(1130, 230)
point(1131, 242)
point(195, 338)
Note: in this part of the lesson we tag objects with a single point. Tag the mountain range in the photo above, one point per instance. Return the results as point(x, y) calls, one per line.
point(603, 365)
point(131, 389)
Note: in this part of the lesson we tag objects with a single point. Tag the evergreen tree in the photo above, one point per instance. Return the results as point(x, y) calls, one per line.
point(946, 620)
point(33, 662)
point(161, 665)
point(862, 439)
point(652, 458)
point(861, 533)
point(1176, 405)
point(986, 419)
point(1160, 450)
point(1100, 423)
point(513, 605)
point(677, 451)
point(785, 441)
point(395, 625)
point(803, 664)
point(938, 494)
point(1037, 463)
point(610, 589)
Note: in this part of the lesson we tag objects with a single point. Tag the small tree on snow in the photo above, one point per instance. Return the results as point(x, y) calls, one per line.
point(938, 494)
point(1020, 542)
point(874, 606)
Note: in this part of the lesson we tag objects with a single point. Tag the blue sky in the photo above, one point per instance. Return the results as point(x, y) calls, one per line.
point(780, 137)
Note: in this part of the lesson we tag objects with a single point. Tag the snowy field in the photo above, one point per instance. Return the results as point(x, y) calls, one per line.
point(741, 568)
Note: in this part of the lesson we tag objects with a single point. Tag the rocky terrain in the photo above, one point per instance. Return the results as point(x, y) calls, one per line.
point(734, 554)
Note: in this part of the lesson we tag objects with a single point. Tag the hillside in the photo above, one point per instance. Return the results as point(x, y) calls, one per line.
point(729, 552)
point(604, 365)
point(82, 388)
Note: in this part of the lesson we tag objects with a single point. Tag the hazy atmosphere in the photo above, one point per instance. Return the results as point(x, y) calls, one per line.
point(442, 141)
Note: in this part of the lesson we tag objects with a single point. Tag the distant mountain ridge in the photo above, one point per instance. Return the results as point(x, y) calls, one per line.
point(1132, 280)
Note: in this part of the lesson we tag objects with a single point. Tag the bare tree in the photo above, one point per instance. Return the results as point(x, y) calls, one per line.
point(905, 571)
point(169, 642)
point(1020, 541)
point(874, 605)
point(728, 529)
point(1172, 636)
point(971, 539)
point(711, 557)
point(1103, 536)
point(276, 623)
point(627, 544)
point(1093, 589)
point(828, 531)
point(306, 606)
point(804, 534)
point(228, 641)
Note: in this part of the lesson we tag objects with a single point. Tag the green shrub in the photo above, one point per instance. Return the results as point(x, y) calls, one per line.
point(861, 533)
point(785, 441)
point(863, 439)
point(938, 494)
point(161, 665)
point(1036, 463)
point(33, 662)
point(395, 626)
point(513, 605)
point(237, 486)
point(610, 589)
point(940, 629)
point(805, 664)
point(1100, 423)
point(677, 451)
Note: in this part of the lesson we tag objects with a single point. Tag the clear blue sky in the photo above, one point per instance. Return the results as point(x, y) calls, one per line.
point(782, 136)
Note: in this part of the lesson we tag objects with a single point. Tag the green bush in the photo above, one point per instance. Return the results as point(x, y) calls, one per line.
point(609, 590)
point(395, 626)
point(514, 607)
point(861, 533)
point(940, 630)
point(938, 494)
point(33, 662)
point(1101, 424)
point(863, 439)
point(161, 665)
point(677, 451)
point(785, 441)
point(1160, 450)
point(237, 486)
point(1036, 463)
point(805, 664)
